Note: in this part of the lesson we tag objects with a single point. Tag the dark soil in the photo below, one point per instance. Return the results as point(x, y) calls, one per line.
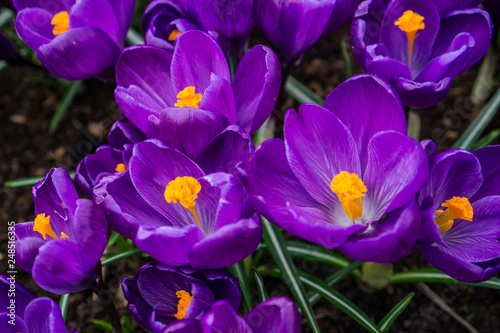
point(29, 97)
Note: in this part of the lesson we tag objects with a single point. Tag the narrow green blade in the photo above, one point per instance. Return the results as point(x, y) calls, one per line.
point(300, 92)
point(29, 181)
point(238, 270)
point(120, 256)
point(261, 289)
point(386, 323)
point(63, 304)
point(68, 98)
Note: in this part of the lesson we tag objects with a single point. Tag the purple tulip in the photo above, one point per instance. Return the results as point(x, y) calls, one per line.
point(460, 204)
point(64, 244)
point(159, 295)
point(179, 214)
point(293, 26)
point(75, 40)
point(419, 46)
point(228, 22)
point(108, 159)
point(274, 315)
point(21, 312)
point(346, 175)
point(192, 87)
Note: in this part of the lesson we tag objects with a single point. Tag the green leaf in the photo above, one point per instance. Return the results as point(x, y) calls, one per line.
point(29, 181)
point(376, 276)
point(119, 256)
point(476, 128)
point(63, 304)
point(261, 289)
point(300, 92)
point(487, 139)
point(432, 275)
point(112, 239)
point(386, 323)
point(238, 270)
point(347, 60)
point(414, 124)
point(134, 38)
point(68, 98)
point(339, 300)
point(6, 15)
point(103, 324)
point(277, 248)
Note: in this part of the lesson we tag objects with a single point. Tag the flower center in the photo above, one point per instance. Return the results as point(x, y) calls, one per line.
point(458, 208)
point(187, 97)
point(42, 225)
point(184, 190)
point(410, 22)
point(182, 306)
point(60, 21)
point(350, 191)
point(120, 167)
point(172, 36)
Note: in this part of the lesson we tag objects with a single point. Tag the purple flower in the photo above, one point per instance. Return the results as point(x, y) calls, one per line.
point(277, 314)
point(228, 22)
point(419, 46)
point(110, 158)
point(159, 295)
point(192, 87)
point(21, 312)
point(460, 204)
point(176, 212)
point(64, 244)
point(346, 175)
point(342, 13)
point(293, 26)
point(75, 40)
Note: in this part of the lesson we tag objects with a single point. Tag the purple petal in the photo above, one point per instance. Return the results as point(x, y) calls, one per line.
point(123, 132)
point(380, 64)
point(277, 314)
point(421, 94)
point(372, 95)
point(27, 244)
point(218, 98)
point(256, 86)
point(444, 7)
point(389, 240)
point(397, 166)
point(196, 57)
point(71, 55)
point(342, 13)
point(123, 10)
point(97, 15)
point(140, 309)
point(51, 6)
point(19, 327)
point(318, 148)
point(44, 315)
point(22, 295)
point(429, 230)
point(184, 326)
point(222, 319)
point(489, 157)
point(34, 28)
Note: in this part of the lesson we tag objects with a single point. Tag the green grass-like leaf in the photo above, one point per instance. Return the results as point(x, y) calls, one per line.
point(300, 92)
point(103, 324)
point(261, 288)
point(63, 304)
point(29, 181)
point(277, 248)
point(119, 256)
point(68, 98)
point(386, 323)
point(487, 139)
point(347, 60)
point(238, 270)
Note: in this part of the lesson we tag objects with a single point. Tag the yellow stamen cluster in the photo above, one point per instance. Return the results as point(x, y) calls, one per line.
point(410, 22)
point(350, 191)
point(188, 98)
point(457, 208)
point(182, 306)
point(120, 167)
point(184, 190)
point(60, 21)
point(42, 225)
point(174, 34)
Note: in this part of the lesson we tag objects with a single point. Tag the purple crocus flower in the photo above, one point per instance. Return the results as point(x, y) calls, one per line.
point(192, 87)
point(293, 26)
point(176, 212)
point(21, 312)
point(419, 46)
point(159, 295)
point(64, 244)
point(75, 39)
point(342, 13)
point(460, 203)
point(110, 158)
point(274, 315)
point(346, 175)
point(228, 22)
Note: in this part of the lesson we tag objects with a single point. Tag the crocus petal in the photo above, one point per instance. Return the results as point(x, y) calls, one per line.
point(123, 132)
point(219, 98)
point(71, 55)
point(58, 267)
point(277, 314)
point(421, 95)
point(140, 309)
point(454, 173)
point(397, 166)
point(389, 240)
point(6, 327)
point(22, 295)
point(98, 15)
point(396, 40)
point(144, 83)
point(372, 94)
point(222, 318)
point(378, 63)
point(429, 230)
point(123, 11)
point(184, 326)
point(342, 12)
point(490, 169)
point(27, 244)
point(44, 315)
point(52, 7)
point(228, 245)
point(176, 127)
point(256, 86)
point(196, 56)
point(319, 147)
point(34, 28)
point(170, 245)
point(445, 7)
